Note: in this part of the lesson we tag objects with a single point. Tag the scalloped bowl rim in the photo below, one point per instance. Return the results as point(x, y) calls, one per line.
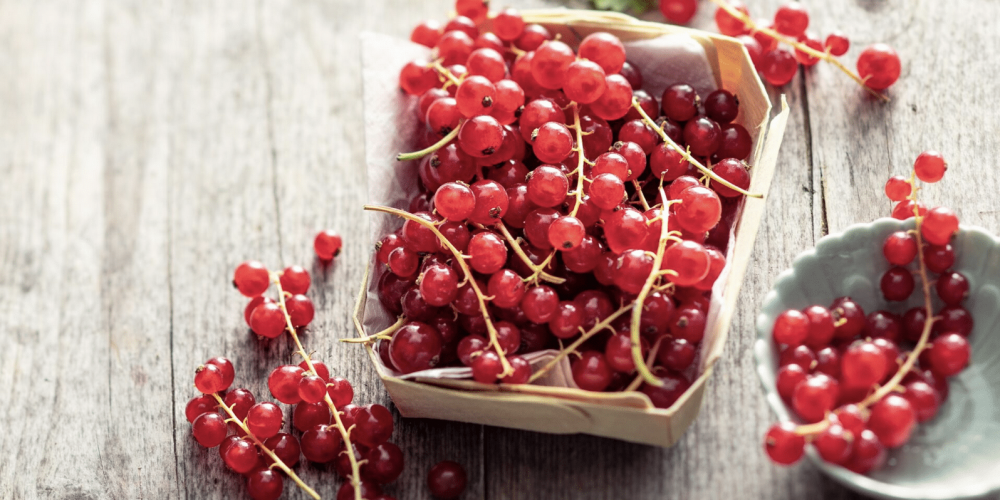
point(765, 373)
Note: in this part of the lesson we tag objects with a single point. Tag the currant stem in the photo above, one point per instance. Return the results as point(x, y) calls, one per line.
point(507, 368)
point(432, 148)
point(582, 158)
point(445, 72)
point(905, 368)
point(825, 56)
point(661, 246)
point(537, 270)
point(566, 351)
point(687, 156)
point(642, 197)
point(267, 451)
point(344, 433)
point(384, 334)
point(649, 362)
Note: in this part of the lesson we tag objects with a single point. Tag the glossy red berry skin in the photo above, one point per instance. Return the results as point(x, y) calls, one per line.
point(815, 396)
point(374, 425)
point(863, 364)
point(783, 445)
point(703, 136)
point(201, 404)
point(791, 328)
point(897, 188)
point(240, 400)
point(949, 354)
point(833, 444)
point(321, 444)
point(900, 248)
point(879, 66)
point(778, 66)
point(591, 371)
point(821, 326)
point(952, 288)
point(788, 378)
point(892, 419)
point(209, 379)
point(897, 284)
point(604, 49)
point(930, 166)
point(295, 280)
point(791, 19)
point(283, 383)
point(251, 278)
point(939, 225)
point(265, 484)
point(209, 429)
point(415, 346)
point(678, 11)
point(447, 480)
point(300, 310)
point(867, 453)
point(265, 420)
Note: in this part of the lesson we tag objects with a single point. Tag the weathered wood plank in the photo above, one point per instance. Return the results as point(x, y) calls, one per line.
point(86, 321)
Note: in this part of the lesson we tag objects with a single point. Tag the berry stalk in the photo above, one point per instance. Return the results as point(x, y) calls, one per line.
point(539, 270)
point(654, 274)
point(687, 156)
point(460, 259)
point(905, 368)
point(260, 444)
point(578, 197)
point(344, 433)
point(566, 351)
point(416, 155)
point(824, 56)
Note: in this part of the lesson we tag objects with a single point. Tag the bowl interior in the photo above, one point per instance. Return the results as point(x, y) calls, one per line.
point(955, 455)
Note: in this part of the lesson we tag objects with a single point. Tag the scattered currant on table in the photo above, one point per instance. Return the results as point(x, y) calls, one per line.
point(561, 207)
point(862, 383)
point(779, 48)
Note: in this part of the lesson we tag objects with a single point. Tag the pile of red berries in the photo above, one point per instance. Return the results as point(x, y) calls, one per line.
point(330, 428)
point(861, 383)
point(878, 65)
point(541, 219)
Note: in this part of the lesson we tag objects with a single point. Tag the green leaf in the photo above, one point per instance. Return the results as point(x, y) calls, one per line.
point(638, 6)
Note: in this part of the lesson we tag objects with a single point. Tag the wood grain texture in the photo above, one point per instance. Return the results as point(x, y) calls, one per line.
point(149, 147)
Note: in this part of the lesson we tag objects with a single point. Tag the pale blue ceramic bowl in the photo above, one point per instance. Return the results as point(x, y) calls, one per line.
point(955, 455)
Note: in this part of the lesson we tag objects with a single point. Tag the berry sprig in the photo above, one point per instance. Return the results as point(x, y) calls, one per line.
point(441, 283)
point(881, 394)
point(291, 384)
point(258, 423)
point(878, 66)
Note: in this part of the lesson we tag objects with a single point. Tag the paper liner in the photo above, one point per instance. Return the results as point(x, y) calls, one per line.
point(666, 55)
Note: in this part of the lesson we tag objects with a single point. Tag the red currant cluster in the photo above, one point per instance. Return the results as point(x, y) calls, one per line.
point(878, 65)
point(534, 227)
point(861, 383)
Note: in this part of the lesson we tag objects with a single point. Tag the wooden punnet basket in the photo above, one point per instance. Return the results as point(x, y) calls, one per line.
point(391, 127)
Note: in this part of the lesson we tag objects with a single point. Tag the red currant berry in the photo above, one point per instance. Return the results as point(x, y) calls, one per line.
point(879, 66)
point(265, 484)
point(834, 444)
point(783, 445)
point(949, 354)
point(837, 43)
point(892, 420)
point(295, 280)
point(604, 49)
point(374, 425)
point(900, 248)
point(415, 346)
point(283, 382)
point(209, 429)
point(209, 379)
point(939, 225)
point(251, 278)
point(778, 66)
point(728, 24)
point(897, 284)
point(264, 420)
point(791, 19)
point(321, 444)
point(930, 166)
point(815, 396)
point(446, 480)
point(791, 328)
point(952, 288)
point(678, 11)
point(897, 188)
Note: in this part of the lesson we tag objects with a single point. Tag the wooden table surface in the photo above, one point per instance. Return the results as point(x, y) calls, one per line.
point(147, 147)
